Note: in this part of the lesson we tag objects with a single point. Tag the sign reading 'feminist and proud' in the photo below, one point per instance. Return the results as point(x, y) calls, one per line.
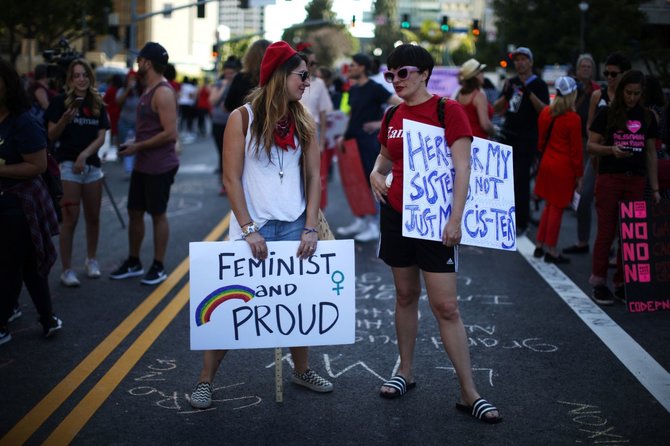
point(239, 302)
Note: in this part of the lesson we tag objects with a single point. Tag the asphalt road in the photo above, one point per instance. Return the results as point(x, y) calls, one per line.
point(561, 370)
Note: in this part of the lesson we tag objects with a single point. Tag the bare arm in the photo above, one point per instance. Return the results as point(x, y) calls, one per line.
point(483, 113)
point(165, 105)
point(596, 147)
point(382, 168)
point(460, 151)
point(32, 165)
point(91, 149)
point(42, 98)
point(55, 129)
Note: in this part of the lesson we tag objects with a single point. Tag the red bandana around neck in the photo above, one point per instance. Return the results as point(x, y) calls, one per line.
point(284, 133)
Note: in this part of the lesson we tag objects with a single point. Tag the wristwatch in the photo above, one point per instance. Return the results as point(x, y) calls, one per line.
point(249, 229)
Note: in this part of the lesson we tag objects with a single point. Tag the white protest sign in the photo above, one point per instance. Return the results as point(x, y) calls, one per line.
point(489, 214)
point(238, 302)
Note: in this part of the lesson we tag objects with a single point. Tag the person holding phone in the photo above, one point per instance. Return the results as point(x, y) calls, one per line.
point(623, 138)
point(76, 123)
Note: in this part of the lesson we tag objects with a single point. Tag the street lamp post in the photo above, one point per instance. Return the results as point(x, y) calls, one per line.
point(583, 7)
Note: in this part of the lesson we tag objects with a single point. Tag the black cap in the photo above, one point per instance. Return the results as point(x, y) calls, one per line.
point(154, 52)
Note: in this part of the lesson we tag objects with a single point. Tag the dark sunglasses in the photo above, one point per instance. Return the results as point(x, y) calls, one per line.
point(402, 73)
point(611, 73)
point(304, 75)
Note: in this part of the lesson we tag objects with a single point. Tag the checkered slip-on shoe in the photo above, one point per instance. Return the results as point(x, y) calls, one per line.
point(312, 381)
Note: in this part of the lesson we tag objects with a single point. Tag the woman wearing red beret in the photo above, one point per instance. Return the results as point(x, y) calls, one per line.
point(264, 143)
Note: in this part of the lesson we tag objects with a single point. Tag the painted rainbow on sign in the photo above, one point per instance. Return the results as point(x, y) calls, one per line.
point(204, 311)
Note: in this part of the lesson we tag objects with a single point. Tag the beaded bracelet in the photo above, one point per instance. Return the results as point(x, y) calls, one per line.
point(309, 230)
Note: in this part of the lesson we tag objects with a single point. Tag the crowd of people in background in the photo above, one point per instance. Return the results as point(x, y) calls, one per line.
point(571, 138)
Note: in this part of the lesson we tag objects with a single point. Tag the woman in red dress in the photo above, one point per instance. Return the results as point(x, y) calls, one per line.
point(560, 172)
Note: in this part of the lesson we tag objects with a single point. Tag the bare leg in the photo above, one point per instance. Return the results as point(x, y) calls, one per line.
point(70, 204)
point(135, 231)
point(300, 358)
point(91, 199)
point(161, 235)
point(408, 290)
point(212, 360)
point(441, 289)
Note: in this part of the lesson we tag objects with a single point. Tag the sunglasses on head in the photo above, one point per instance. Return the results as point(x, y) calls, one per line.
point(304, 75)
point(402, 73)
point(611, 73)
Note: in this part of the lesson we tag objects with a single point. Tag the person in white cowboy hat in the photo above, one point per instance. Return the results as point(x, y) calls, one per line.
point(473, 100)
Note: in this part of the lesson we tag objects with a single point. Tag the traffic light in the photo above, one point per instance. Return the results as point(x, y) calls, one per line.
point(353, 21)
point(404, 23)
point(244, 4)
point(201, 9)
point(475, 27)
point(215, 51)
point(445, 24)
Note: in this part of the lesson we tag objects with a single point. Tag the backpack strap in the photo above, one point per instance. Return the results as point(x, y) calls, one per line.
point(440, 110)
point(389, 114)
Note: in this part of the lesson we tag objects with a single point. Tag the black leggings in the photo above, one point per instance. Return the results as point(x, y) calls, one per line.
point(18, 265)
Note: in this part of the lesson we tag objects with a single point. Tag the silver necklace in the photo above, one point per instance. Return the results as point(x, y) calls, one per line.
point(281, 164)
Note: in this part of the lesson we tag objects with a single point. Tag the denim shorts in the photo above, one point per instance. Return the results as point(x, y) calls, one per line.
point(90, 174)
point(277, 231)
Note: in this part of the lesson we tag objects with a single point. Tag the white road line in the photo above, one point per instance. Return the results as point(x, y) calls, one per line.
point(643, 367)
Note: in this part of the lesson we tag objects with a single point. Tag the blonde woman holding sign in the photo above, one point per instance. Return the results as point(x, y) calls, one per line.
point(265, 143)
point(410, 67)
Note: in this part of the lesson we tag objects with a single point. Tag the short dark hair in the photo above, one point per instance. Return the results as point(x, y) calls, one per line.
point(618, 60)
point(414, 55)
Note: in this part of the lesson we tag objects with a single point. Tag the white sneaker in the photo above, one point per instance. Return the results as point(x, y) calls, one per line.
point(369, 235)
point(69, 278)
point(92, 268)
point(358, 225)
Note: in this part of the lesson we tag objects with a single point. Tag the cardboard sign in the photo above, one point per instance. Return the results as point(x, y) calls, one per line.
point(645, 247)
point(489, 214)
point(239, 302)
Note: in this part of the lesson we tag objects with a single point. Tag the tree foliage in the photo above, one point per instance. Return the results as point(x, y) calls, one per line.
point(329, 40)
point(47, 21)
point(551, 28)
point(387, 30)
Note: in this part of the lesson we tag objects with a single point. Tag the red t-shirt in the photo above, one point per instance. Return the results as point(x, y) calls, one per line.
point(391, 136)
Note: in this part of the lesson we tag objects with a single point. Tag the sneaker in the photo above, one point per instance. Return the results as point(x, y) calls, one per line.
point(51, 325)
point(92, 268)
point(16, 313)
point(369, 235)
point(201, 398)
point(128, 269)
point(539, 252)
point(356, 227)
point(5, 335)
point(556, 260)
point(620, 294)
point(602, 295)
point(312, 381)
point(155, 275)
point(69, 278)
point(576, 249)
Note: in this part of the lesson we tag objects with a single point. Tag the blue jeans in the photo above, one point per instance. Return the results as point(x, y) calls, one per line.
point(278, 231)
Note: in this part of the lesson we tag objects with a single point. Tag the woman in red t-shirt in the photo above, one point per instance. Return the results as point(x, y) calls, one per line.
point(410, 67)
point(473, 100)
point(560, 172)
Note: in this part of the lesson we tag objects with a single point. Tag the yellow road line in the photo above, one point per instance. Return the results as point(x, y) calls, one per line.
point(77, 419)
point(32, 421)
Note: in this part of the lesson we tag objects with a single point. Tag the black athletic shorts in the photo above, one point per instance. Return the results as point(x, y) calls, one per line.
point(150, 193)
point(400, 252)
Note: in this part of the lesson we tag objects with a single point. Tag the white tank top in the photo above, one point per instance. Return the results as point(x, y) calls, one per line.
point(269, 195)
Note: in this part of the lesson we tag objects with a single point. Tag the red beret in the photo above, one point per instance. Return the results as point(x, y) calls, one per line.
point(275, 55)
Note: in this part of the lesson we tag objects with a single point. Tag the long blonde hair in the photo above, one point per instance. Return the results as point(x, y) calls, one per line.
point(563, 104)
point(92, 98)
point(270, 104)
